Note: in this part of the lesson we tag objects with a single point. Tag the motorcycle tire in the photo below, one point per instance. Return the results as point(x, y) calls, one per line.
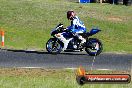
point(92, 43)
point(53, 46)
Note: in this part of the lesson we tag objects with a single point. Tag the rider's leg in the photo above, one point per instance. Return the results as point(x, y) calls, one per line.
point(83, 40)
point(77, 31)
point(64, 40)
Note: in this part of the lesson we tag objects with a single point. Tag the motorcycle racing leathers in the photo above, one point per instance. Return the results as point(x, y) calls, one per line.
point(76, 27)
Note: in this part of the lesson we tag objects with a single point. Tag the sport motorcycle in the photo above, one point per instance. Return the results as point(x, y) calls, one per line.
point(92, 46)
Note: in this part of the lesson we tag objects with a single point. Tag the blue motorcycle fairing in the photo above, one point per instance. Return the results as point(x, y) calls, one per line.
point(67, 35)
point(94, 31)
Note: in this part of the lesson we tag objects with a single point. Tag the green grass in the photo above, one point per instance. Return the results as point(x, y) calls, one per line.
point(27, 23)
point(47, 78)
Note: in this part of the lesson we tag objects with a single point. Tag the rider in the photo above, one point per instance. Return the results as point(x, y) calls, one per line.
point(77, 25)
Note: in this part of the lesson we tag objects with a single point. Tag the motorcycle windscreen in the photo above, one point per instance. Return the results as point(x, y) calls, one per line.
point(53, 32)
point(94, 31)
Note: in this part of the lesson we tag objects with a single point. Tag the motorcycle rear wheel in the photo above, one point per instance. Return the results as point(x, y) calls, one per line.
point(94, 47)
point(53, 46)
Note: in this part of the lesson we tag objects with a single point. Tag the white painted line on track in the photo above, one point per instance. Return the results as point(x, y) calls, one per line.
point(30, 67)
point(104, 69)
point(71, 68)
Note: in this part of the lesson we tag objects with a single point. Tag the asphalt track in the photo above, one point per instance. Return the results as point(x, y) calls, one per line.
point(34, 59)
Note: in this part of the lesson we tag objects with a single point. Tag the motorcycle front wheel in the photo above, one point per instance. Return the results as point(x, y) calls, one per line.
point(94, 47)
point(53, 46)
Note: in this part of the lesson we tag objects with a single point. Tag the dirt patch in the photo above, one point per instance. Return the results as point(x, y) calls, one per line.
point(27, 72)
point(116, 19)
point(108, 72)
point(48, 72)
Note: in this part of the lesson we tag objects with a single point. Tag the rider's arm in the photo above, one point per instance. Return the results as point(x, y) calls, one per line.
point(73, 25)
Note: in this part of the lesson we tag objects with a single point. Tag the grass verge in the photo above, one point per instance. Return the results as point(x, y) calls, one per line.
point(49, 78)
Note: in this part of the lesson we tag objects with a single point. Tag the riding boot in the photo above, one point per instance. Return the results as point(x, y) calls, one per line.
point(83, 40)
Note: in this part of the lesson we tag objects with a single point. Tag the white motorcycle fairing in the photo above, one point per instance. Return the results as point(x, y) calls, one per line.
point(65, 41)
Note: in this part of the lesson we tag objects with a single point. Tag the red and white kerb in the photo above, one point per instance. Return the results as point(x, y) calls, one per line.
point(2, 41)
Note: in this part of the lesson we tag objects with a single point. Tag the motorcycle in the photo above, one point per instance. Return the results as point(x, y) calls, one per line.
point(92, 46)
